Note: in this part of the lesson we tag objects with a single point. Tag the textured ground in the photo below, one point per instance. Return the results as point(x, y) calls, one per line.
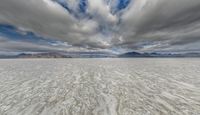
point(100, 87)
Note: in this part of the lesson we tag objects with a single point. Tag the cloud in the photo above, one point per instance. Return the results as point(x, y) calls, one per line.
point(143, 25)
point(101, 10)
point(172, 21)
point(7, 45)
point(46, 18)
point(20, 46)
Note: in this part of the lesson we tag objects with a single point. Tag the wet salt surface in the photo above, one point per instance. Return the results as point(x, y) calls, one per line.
point(100, 87)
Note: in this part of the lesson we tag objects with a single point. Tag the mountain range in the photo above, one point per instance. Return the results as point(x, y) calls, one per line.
point(99, 55)
point(154, 54)
point(61, 55)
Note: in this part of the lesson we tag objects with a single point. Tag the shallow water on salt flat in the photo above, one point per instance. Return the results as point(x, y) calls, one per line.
point(100, 86)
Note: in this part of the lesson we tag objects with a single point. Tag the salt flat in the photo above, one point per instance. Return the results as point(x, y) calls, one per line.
point(100, 86)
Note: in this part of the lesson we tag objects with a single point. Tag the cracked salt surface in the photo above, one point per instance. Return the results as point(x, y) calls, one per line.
point(100, 87)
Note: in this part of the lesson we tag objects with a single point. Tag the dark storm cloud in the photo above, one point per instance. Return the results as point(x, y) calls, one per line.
point(172, 21)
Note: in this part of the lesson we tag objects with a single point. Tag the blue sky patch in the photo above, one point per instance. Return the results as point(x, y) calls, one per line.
point(12, 33)
point(83, 6)
point(122, 4)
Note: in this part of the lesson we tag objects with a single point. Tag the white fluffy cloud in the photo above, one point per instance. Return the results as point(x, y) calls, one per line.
point(99, 7)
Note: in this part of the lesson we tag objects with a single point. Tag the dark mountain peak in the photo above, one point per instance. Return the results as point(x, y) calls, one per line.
point(131, 54)
point(155, 54)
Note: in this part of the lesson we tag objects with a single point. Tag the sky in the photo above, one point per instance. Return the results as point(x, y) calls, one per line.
point(115, 26)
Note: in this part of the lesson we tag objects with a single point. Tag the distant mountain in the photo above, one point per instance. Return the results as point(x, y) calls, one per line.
point(61, 55)
point(90, 54)
point(137, 54)
point(43, 55)
point(131, 54)
point(97, 55)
